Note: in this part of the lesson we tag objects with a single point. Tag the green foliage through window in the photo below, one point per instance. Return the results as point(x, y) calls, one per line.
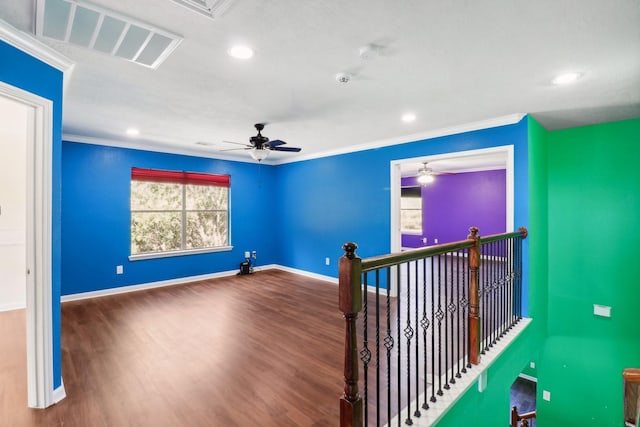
point(169, 216)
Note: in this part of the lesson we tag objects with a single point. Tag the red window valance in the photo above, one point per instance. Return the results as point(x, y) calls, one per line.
point(196, 178)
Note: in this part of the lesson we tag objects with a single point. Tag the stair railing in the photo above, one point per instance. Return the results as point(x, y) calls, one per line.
point(516, 417)
point(428, 315)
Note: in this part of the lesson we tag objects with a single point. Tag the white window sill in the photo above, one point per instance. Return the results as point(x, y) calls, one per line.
point(152, 255)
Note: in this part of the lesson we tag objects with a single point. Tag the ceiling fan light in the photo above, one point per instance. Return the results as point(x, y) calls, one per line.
point(259, 155)
point(425, 178)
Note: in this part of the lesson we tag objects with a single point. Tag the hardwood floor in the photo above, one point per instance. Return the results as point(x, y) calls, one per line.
point(258, 350)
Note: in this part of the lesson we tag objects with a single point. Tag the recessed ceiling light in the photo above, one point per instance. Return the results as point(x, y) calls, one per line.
point(408, 117)
point(566, 78)
point(240, 52)
point(133, 132)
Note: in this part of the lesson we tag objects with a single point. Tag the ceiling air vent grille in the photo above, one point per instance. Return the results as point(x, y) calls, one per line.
point(210, 8)
point(106, 31)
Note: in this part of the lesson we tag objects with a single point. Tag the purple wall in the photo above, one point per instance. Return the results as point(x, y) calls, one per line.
point(455, 202)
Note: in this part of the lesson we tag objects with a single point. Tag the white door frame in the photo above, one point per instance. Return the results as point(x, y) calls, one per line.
point(396, 179)
point(38, 246)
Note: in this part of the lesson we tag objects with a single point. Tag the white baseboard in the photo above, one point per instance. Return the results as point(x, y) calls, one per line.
point(59, 393)
point(12, 306)
point(143, 286)
point(303, 273)
point(190, 279)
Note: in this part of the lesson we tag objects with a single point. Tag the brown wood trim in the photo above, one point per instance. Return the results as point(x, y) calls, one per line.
point(631, 375)
point(474, 303)
point(390, 260)
point(350, 304)
point(522, 232)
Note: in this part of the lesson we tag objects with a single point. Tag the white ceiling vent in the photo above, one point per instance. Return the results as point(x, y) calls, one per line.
point(93, 27)
point(210, 8)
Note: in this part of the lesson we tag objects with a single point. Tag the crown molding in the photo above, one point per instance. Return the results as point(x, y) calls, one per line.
point(405, 139)
point(165, 148)
point(35, 48)
point(156, 147)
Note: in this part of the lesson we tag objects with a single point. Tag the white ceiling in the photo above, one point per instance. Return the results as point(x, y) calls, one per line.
point(449, 62)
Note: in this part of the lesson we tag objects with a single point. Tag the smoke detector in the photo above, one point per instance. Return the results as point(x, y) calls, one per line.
point(343, 77)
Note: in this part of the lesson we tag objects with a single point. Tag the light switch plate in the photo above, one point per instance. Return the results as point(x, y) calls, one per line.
point(546, 395)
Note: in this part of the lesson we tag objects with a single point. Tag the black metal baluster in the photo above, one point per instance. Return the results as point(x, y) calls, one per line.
point(417, 319)
point(466, 363)
point(512, 281)
point(519, 278)
point(446, 324)
point(388, 343)
point(433, 334)
point(494, 291)
point(482, 289)
point(425, 324)
point(458, 343)
point(440, 316)
point(399, 332)
point(378, 346)
point(365, 354)
point(408, 334)
point(452, 311)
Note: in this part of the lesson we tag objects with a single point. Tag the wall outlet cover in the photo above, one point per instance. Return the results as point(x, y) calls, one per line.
point(601, 310)
point(546, 395)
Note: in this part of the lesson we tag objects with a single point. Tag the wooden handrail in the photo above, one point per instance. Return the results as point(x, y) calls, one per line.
point(631, 375)
point(351, 269)
point(515, 417)
point(389, 260)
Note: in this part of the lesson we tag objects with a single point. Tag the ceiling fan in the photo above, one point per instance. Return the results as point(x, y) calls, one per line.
point(260, 145)
point(426, 175)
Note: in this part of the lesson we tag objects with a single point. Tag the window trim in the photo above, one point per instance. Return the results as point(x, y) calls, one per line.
point(183, 178)
point(181, 252)
point(407, 231)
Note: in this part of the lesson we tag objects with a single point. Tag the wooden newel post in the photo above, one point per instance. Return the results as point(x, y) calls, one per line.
point(474, 300)
point(350, 304)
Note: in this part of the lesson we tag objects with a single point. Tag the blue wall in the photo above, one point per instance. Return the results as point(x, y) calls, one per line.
point(295, 214)
point(27, 73)
point(332, 200)
point(96, 218)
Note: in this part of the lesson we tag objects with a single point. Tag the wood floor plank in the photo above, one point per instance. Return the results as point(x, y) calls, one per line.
point(263, 349)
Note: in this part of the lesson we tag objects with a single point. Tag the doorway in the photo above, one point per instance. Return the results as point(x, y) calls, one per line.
point(13, 192)
point(487, 159)
point(25, 197)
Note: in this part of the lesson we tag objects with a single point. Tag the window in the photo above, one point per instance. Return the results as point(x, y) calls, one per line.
point(178, 211)
point(411, 210)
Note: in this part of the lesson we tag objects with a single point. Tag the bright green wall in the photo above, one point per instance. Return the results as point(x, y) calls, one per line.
point(594, 227)
point(491, 407)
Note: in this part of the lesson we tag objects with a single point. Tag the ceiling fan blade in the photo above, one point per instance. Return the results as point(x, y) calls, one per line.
point(236, 143)
point(276, 142)
point(294, 149)
point(235, 149)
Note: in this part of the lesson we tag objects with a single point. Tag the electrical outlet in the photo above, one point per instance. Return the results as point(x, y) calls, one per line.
point(119, 269)
point(602, 310)
point(546, 395)
point(254, 254)
point(532, 365)
point(327, 261)
point(435, 241)
point(424, 240)
point(247, 254)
